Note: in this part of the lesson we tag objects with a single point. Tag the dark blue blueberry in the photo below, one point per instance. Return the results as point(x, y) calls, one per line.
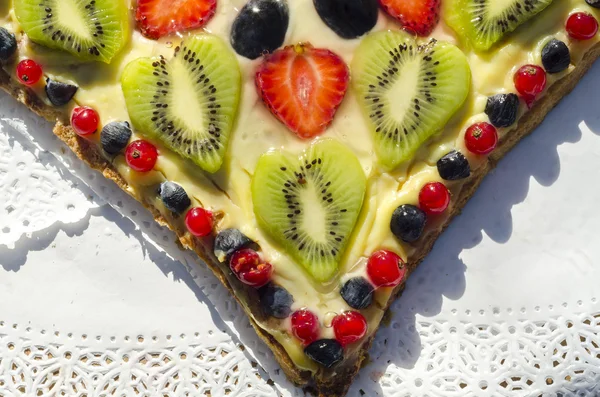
point(454, 166)
point(275, 301)
point(358, 293)
point(349, 19)
point(115, 136)
point(326, 352)
point(8, 44)
point(408, 223)
point(174, 197)
point(556, 56)
point(502, 109)
point(59, 93)
point(229, 241)
point(593, 3)
point(260, 27)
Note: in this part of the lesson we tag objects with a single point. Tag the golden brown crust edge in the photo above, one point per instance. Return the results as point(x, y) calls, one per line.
point(322, 386)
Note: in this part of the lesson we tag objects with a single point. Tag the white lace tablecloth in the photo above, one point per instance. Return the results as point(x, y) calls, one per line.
point(97, 300)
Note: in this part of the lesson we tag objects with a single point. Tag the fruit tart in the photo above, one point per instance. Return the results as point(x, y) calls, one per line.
point(309, 151)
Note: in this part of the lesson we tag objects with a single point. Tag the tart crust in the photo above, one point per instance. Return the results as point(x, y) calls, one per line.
point(324, 383)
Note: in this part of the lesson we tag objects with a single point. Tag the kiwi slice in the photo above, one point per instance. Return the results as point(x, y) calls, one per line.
point(408, 91)
point(189, 102)
point(89, 29)
point(309, 204)
point(482, 23)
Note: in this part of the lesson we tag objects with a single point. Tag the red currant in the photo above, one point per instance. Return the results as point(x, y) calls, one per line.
point(141, 155)
point(530, 81)
point(250, 269)
point(84, 120)
point(582, 26)
point(434, 198)
point(305, 326)
point(199, 222)
point(29, 72)
point(385, 269)
point(481, 138)
point(349, 327)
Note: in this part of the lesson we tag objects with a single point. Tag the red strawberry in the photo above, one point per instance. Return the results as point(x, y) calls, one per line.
point(157, 18)
point(415, 16)
point(303, 87)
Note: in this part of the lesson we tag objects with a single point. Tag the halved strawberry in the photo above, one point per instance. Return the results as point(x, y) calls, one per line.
point(157, 18)
point(415, 16)
point(303, 87)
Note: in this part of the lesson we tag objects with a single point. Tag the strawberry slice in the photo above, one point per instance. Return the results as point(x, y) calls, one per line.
point(157, 18)
point(303, 87)
point(416, 16)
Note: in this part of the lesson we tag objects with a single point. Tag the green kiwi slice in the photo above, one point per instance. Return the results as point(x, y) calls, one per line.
point(189, 103)
point(309, 204)
point(482, 23)
point(93, 30)
point(408, 91)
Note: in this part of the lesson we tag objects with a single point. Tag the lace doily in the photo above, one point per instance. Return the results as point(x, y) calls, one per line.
point(98, 301)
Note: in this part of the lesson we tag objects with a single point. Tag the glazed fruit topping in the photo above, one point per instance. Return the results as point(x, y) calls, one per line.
point(418, 17)
point(481, 138)
point(157, 18)
point(115, 136)
point(141, 155)
point(199, 222)
point(502, 109)
point(408, 223)
point(454, 166)
point(59, 94)
point(593, 3)
point(358, 293)
point(385, 269)
point(349, 327)
point(303, 87)
point(29, 72)
point(326, 352)
point(260, 27)
point(8, 44)
point(582, 26)
point(305, 326)
point(174, 197)
point(229, 241)
point(250, 269)
point(84, 120)
point(530, 81)
point(434, 198)
point(349, 19)
point(556, 56)
point(275, 301)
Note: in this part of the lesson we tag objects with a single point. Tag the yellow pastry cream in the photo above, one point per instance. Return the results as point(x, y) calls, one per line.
point(256, 131)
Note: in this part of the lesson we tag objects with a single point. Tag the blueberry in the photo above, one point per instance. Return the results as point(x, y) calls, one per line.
point(326, 352)
point(275, 301)
point(556, 56)
point(8, 44)
point(502, 109)
point(260, 27)
point(349, 19)
point(59, 93)
point(174, 197)
point(229, 241)
point(408, 223)
point(454, 166)
point(115, 136)
point(358, 293)
point(593, 3)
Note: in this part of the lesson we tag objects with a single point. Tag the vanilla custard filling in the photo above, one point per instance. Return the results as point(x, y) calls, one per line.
point(257, 131)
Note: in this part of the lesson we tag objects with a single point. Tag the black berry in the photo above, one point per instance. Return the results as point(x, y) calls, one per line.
point(275, 301)
point(408, 223)
point(174, 197)
point(358, 293)
point(502, 109)
point(349, 19)
point(326, 352)
point(556, 56)
point(593, 3)
point(115, 136)
point(228, 242)
point(454, 166)
point(59, 93)
point(8, 44)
